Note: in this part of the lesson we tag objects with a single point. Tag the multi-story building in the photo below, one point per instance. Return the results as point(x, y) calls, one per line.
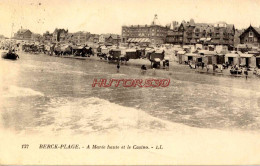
point(175, 34)
point(154, 33)
point(80, 37)
point(47, 37)
point(251, 36)
point(190, 32)
point(23, 34)
point(114, 39)
point(60, 35)
point(109, 38)
point(102, 38)
point(238, 32)
point(37, 37)
point(94, 38)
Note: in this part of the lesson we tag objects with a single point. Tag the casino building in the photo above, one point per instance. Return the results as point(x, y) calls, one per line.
point(145, 34)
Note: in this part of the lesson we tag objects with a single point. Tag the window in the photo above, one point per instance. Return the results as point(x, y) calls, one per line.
point(250, 34)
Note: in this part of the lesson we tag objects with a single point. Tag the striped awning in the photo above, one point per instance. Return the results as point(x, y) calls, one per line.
point(142, 40)
point(139, 40)
point(147, 40)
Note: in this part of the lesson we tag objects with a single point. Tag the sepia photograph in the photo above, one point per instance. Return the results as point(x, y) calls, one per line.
point(129, 82)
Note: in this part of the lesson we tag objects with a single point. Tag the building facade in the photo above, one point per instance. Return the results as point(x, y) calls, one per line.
point(113, 38)
point(238, 32)
point(190, 33)
point(2, 37)
point(60, 35)
point(80, 37)
point(23, 34)
point(102, 38)
point(37, 37)
point(94, 38)
point(155, 32)
point(251, 36)
point(175, 35)
point(47, 37)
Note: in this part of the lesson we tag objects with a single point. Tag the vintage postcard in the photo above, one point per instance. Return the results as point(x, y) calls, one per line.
point(129, 82)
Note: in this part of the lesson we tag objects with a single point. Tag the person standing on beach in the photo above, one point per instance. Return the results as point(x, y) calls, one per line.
point(167, 65)
point(246, 73)
point(214, 67)
point(118, 67)
point(143, 69)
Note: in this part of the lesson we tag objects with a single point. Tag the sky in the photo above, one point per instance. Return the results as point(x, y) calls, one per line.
point(107, 16)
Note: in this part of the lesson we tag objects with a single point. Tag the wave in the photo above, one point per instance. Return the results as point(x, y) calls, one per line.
point(98, 115)
point(14, 91)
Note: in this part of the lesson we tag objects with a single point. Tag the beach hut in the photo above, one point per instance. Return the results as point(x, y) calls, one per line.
point(155, 58)
point(247, 60)
point(258, 61)
point(115, 53)
point(232, 58)
point(180, 56)
point(149, 50)
point(102, 52)
point(157, 54)
point(131, 54)
point(193, 57)
point(211, 57)
point(123, 50)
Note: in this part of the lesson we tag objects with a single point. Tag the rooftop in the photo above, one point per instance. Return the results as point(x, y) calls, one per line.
point(155, 22)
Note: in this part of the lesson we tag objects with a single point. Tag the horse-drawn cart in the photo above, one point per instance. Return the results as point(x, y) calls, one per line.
point(114, 54)
point(156, 57)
